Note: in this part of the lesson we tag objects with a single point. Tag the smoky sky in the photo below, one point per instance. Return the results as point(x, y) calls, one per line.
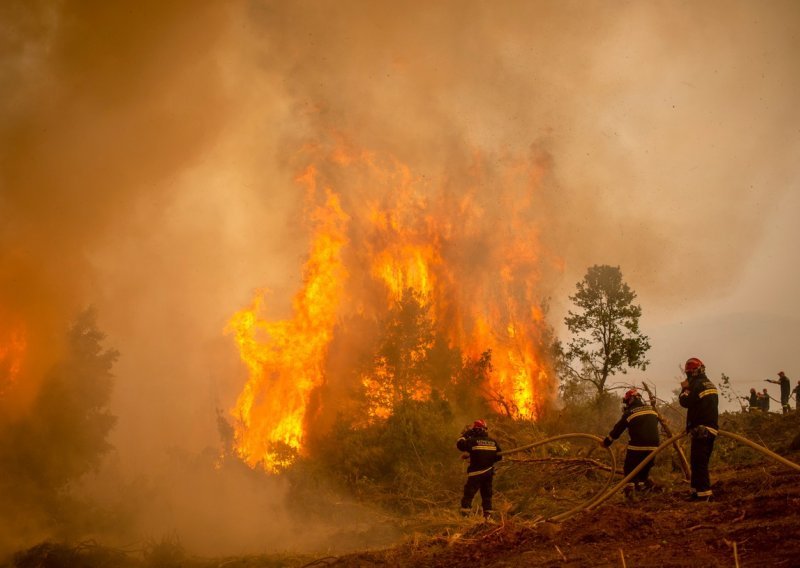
point(148, 149)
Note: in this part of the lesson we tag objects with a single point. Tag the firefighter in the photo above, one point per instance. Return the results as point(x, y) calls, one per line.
point(796, 392)
point(701, 399)
point(641, 420)
point(753, 401)
point(764, 400)
point(786, 386)
point(482, 452)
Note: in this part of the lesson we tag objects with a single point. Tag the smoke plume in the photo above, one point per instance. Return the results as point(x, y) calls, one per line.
point(148, 155)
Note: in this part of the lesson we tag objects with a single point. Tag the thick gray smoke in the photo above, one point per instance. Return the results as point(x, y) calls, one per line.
point(146, 160)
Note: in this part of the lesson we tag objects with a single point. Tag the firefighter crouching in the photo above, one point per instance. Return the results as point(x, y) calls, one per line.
point(701, 399)
point(482, 452)
point(641, 421)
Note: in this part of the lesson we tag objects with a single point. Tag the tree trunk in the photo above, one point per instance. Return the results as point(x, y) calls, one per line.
point(668, 431)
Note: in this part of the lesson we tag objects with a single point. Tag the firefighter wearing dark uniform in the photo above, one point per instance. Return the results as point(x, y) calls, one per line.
point(701, 399)
point(482, 452)
point(764, 400)
point(641, 421)
point(796, 392)
point(753, 401)
point(786, 387)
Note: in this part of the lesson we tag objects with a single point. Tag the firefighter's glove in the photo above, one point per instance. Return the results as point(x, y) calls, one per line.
point(700, 432)
point(607, 442)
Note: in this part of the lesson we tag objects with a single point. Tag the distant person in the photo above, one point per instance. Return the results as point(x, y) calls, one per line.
point(796, 392)
point(764, 398)
point(642, 423)
point(786, 386)
point(752, 401)
point(701, 399)
point(482, 452)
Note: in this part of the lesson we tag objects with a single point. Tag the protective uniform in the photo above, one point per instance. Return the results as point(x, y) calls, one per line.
point(483, 453)
point(764, 399)
point(786, 387)
point(641, 421)
point(701, 400)
point(752, 400)
point(796, 392)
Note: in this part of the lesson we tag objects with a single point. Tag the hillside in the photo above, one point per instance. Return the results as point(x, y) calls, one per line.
point(753, 520)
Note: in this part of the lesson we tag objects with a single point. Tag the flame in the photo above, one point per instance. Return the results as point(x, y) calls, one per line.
point(13, 344)
point(286, 358)
point(474, 263)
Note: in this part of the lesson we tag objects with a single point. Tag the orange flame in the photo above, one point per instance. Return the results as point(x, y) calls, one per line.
point(286, 358)
point(478, 273)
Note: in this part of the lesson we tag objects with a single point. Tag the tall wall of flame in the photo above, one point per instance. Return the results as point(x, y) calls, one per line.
point(380, 229)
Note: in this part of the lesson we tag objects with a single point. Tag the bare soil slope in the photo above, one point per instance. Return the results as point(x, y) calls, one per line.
point(755, 507)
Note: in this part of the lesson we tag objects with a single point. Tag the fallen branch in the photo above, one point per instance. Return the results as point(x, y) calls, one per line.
point(698, 527)
point(569, 461)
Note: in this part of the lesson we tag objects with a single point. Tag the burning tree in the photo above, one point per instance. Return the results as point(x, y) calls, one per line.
point(399, 370)
point(438, 280)
point(606, 337)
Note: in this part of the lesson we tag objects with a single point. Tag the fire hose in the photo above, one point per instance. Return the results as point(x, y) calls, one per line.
point(598, 440)
point(604, 494)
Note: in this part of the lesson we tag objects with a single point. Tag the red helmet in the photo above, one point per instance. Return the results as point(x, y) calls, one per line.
point(692, 365)
point(630, 395)
point(479, 424)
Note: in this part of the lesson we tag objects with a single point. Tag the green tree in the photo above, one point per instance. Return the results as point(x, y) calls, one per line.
point(64, 435)
point(605, 331)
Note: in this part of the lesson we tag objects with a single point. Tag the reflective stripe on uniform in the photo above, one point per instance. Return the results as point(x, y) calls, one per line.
point(708, 392)
point(472, 473)
point(642, 448)
point(484, 448)
point(708, 493)
point(641, 413)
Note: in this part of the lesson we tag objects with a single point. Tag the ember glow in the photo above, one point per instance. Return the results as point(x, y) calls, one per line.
point(379, 231)
point(13, 344)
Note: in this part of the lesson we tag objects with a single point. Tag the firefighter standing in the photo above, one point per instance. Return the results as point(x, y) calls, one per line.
point(641, 420)
point(482, 452)
point(753, 400)
point(786, 386)
point(764, 399)
point(796, 392)
point(701, 399)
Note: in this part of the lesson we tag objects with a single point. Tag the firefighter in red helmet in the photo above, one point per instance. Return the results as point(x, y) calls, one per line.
point(482, 452)
point(641, 421)
point(701, 399)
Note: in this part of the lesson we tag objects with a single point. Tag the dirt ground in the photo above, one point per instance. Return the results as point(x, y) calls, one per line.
point(754, 519)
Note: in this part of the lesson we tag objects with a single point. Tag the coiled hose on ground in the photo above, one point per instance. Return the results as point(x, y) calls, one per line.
point(604, 494)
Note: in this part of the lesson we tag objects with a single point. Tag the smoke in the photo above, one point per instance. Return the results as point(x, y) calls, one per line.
point(147, 151)
point(666, 122)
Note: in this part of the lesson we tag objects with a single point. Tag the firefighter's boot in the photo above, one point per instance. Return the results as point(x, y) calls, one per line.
point(630, 492)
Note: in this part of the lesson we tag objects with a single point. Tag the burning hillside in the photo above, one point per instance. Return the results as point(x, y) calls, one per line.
point(384, 238)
